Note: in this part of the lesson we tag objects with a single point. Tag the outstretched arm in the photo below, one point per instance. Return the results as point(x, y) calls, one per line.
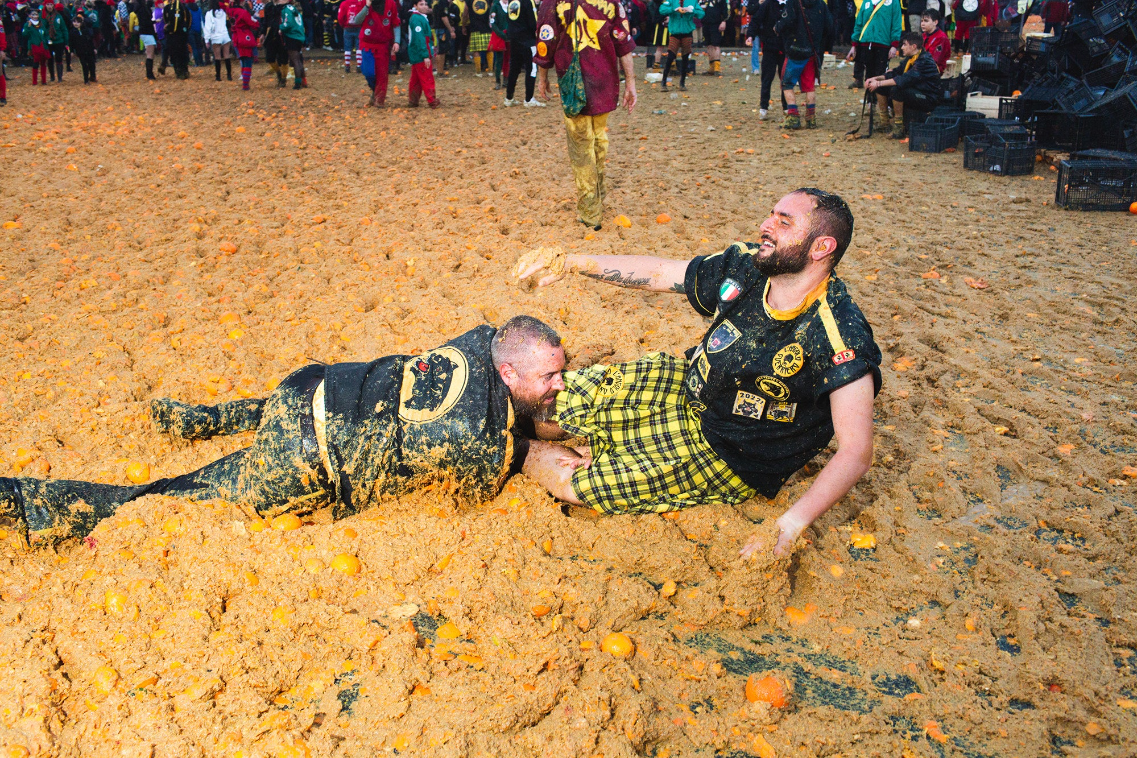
point(851, 406)
point(635, 271)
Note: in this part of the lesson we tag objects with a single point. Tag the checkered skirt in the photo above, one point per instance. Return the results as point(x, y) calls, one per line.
point(479, 42)
point(649, 454)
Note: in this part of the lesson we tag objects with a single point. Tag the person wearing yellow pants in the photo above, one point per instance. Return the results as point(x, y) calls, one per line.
point(596, 33)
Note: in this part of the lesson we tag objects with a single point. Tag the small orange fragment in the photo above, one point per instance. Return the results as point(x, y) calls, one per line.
point(662, 218)
point(286, 522)
point(932, 729)
point(623, 221)
point(540, 610)
point(862, 541)
point(114, 602)
point(319, 219)
point(800, 617)
point(1133, 207)
point(933, 274)
point(346, 563)
point(766, 689)
point(227, 247)
point(618, 644)
point(448, 631)
point(138, 472)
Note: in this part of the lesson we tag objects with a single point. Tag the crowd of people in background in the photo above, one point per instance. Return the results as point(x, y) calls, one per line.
point(499, 38)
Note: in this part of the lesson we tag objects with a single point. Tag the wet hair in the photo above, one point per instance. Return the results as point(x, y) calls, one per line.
point(831, 218)
point(518, 333)
point(932, 14)
point(913, 38)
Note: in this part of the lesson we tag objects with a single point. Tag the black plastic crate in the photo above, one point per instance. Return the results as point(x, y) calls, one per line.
point(1002, 134)
point(953, 92)
point(972, 125)
point(1010, 108)
point(985, 86)
point(1061, 130)
point(1011, 158)
point(932, 137)
point(1110, 16)
point(954, 118)
point(1096, 185)
point(975, 153)
point(1119, 105)
point(987, 41)
point(1040, 45)
point(1076, 98)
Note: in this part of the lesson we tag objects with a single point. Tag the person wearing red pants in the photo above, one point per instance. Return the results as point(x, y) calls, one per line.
point(379, 37)
point(35, 35)
point(3, 78)
point(420, 55)
point(244, 36)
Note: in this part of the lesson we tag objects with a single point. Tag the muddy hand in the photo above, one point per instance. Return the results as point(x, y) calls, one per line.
point(545, 264)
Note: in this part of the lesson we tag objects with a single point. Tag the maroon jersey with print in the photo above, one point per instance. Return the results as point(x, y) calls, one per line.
point(599, 32)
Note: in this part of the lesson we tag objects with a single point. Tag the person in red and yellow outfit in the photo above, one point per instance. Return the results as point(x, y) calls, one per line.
point(596, 30)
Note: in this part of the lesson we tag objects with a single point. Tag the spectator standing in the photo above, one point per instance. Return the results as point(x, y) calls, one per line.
point(480, 32)
point(147, 34)
point(292, 31)
point(244, 38)
point(420, 55)
point(444, 32)
point(35, 38)
point(196, 36)
point(681, 16)
point(349, 10)
point(58, 35)
point(499, 34)
point(806, 29)
point(763, 19)
point(522, 49)
point(601, 46)
point(176, 18)
point(876, 38)
point(83, 43)
point(936, 42)
point(1055, 13)
point(379, 38)
point(716, 13)
point(215, 31)
point(968, 15)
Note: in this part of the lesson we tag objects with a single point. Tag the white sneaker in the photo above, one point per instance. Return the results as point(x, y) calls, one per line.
point(534, 103)
point(762, 114)
point(509, 102)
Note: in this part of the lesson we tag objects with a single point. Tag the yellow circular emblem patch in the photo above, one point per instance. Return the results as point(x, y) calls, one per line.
point(542, 49)
point(789, 360)
point(773, 387)
point(612, 382)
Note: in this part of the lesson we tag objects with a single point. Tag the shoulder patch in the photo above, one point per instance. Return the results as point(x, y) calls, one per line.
point(546, 33)
point(432, 384)
point(611, 383)
point(729, 290)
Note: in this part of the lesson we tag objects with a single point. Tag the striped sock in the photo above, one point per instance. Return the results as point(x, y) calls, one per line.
point(791, 110)
point(359, 57)
point(346, 58)
point(810, 109)
point(246, 74)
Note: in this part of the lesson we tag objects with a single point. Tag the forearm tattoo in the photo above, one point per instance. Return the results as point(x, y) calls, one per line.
point(615, 276)
point(678, 287)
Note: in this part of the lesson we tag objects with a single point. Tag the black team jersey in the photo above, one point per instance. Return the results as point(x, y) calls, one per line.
point(400, 421)
point(760, 378)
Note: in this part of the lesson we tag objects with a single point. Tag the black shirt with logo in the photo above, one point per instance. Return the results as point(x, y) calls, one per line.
point(762, 384)
point(401, 421)
point(480, 16)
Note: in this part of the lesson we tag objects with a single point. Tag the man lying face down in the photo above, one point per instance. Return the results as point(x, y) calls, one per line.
point(343, 435)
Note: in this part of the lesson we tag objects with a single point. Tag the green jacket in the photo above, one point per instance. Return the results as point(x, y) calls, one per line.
point(35, 34)
point(878, 22)
point(681, 23)
point(57, 31)
point(291, 23)
point(418, 38)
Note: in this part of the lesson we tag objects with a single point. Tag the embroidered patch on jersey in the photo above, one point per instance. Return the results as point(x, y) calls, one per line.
point(432, 385)
point(514, 9)
point(971, 5)
point(843, 357)
point(619, 34)
point(542, 49)
point(696, 407)
point(773, 387)
point(724, 335)
point(704, 366)
point(612, 382)
point(546, 33)
point(748, 404)
point(694, 383)
point(783, 412)
point(480, 7)
point(729, 290)
point(367, 32)
point(788, 361)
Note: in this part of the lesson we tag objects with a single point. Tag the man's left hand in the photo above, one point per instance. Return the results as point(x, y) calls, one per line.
point(395, 49)
point(629, 94)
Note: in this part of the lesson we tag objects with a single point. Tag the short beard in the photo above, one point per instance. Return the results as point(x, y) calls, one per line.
point(534, 409)
point(788, 260)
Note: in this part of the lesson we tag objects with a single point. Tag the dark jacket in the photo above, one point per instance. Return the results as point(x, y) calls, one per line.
point(83, 39)
point(176, 17)
point(801, 42)
point(523, 22)
point(764, 16)
point(922, 76)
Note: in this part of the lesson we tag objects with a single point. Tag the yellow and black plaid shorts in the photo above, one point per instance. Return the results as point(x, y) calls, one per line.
point(649, 454)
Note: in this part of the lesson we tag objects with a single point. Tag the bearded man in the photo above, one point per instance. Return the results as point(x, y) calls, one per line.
point(345, 435)
point(788, 362)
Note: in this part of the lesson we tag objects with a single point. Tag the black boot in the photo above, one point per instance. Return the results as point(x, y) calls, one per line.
point(229, 69)
point(201, 422)
point(150, 68)
point(683, 73)
point(667, 69)
point(650, 61)
point(217, 70)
